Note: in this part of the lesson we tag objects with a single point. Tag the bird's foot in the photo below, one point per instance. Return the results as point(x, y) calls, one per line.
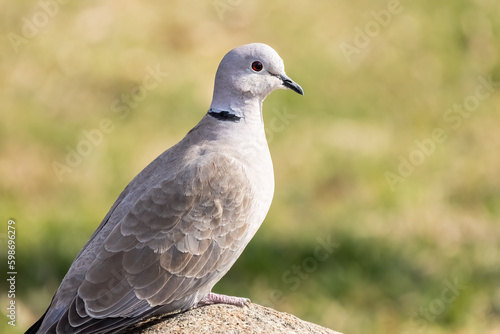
point(215, 298)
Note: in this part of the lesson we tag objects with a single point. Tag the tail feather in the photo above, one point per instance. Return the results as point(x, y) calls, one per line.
point(36, 326)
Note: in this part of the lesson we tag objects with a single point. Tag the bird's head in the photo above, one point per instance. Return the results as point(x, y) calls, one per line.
point(250, 72)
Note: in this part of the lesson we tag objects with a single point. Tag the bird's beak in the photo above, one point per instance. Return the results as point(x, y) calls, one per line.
point(289, 83)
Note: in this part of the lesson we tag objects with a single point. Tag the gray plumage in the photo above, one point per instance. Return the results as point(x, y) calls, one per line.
point(183, 221)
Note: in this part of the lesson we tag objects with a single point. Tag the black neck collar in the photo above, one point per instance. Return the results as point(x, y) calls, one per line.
point(224, 116)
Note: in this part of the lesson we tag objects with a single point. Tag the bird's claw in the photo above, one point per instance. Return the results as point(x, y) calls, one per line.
point(215, 298)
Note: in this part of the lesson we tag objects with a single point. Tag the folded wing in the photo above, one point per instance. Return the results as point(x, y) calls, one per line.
point(176, 242)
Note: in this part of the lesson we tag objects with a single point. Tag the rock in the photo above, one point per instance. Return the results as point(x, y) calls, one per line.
point(229, 319)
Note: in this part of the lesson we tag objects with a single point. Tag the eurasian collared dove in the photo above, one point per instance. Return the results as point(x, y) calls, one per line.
point(183, 221)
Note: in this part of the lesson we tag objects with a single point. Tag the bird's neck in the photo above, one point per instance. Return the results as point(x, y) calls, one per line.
point(239, 108)
point(239, 121)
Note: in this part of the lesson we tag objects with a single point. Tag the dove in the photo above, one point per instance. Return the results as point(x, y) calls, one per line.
point(183, 221)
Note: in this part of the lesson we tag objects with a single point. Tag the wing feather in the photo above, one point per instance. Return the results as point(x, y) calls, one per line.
point(138, 260)
point(176, 240)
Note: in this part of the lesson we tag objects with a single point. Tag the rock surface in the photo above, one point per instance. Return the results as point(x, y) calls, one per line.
point(229, 319)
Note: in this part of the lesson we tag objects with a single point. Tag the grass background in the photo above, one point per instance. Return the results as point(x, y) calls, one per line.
point(397, 247)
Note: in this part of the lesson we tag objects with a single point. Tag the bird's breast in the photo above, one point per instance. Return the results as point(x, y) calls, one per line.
point(257, 163)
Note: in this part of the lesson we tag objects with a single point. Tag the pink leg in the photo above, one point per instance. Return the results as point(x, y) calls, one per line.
point(214, 298)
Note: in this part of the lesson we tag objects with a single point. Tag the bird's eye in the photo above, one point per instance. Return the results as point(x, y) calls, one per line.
point(257, 66)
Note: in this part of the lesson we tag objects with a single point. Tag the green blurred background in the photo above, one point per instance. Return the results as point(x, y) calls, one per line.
point(379, 77)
